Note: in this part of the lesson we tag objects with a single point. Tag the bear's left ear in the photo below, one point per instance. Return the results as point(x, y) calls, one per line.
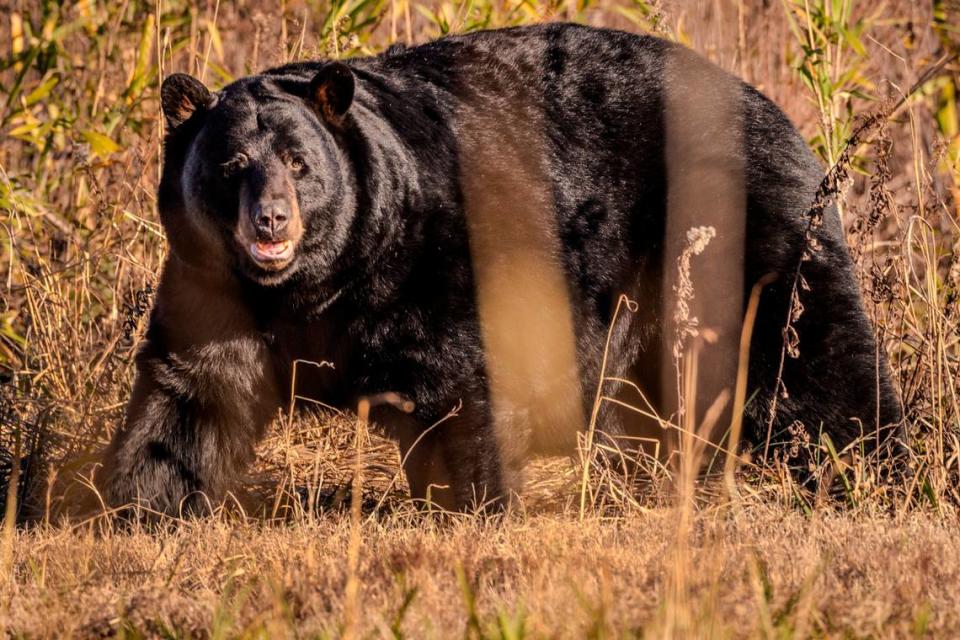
point(331, 90)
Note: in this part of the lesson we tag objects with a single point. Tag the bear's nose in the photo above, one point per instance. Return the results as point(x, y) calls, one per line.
point(270, 217)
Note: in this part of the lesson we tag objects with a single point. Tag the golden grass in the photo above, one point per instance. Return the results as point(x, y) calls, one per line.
point(765, 572)
point(586, 552)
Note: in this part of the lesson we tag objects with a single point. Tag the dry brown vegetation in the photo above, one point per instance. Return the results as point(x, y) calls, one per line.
point(81, 248)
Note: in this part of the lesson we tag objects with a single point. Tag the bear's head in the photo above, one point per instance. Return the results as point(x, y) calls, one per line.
point(254, 180)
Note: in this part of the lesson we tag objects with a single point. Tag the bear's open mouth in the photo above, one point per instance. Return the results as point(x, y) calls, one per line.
point(272, 254)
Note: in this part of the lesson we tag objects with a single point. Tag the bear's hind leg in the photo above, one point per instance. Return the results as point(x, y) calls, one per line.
point(455, 465)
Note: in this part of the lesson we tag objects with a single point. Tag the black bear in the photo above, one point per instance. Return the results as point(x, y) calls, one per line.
point(455, 223)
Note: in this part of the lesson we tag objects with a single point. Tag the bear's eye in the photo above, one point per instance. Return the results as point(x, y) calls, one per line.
point(235, 164)
point(297, 165)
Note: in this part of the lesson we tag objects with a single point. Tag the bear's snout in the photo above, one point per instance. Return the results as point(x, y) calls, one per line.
point(270, 218)
point(269, 226)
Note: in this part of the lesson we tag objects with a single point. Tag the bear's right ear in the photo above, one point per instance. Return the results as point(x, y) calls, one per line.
point(180, 96)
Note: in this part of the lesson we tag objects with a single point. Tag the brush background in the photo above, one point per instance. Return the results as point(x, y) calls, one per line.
point(81, 246)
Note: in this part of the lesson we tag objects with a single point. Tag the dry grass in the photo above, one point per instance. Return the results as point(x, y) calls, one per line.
point(774, 573)
point(81, 246)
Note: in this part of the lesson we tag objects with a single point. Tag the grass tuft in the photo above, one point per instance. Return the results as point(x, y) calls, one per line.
point(321, 541)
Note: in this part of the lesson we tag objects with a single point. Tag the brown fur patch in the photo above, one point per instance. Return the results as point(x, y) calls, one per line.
point(247, 234)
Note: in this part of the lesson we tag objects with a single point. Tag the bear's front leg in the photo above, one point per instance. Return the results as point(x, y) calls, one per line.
point(204, 394)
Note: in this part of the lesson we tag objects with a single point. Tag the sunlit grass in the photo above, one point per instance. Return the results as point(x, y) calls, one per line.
point(81, 246)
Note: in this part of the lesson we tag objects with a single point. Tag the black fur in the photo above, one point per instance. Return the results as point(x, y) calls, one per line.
point(382, 283)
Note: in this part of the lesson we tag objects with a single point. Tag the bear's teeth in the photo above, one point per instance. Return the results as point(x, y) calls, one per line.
point(270, 250)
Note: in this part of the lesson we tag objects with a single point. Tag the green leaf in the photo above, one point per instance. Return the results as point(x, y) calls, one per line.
point(141, 68)
point(42, 91)
point(100, 144)
point(929, 493)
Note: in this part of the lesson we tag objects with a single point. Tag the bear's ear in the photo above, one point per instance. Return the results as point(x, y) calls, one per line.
point(180, 96)
point(331, 90)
